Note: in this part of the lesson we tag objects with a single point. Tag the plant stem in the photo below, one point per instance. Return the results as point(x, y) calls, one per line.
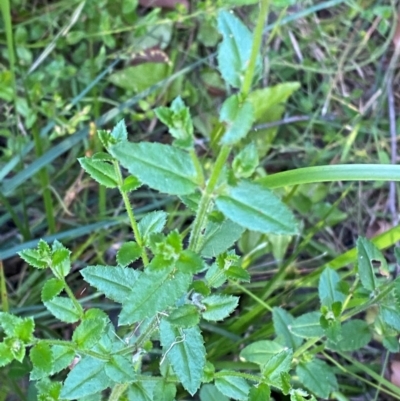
point(3, 289)
point(258, 32)
point(131, 215)
point(200, 221)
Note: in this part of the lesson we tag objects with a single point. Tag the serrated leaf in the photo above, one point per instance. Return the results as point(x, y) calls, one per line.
point(189, 262)
point(152, 223)
point(318, 377)
point(15, 326)
point(260, 393)
point(179, 122)
point(119, 132)
point(184, 316)
point(102, 172)
point(232, 386)
point(6, 355)
point(218, 307)
point(162, 167)
point(151, 293)
point(261, 352)
point(64, 309)
point(141, 391)
point(186, 353)
point(307, 326)
point(246, 161)
point(48, 390)
point(238, 117)
point(88, 333)
point(355, 334)
point(256, 208)
point(42, 360)
point(62, 357)
point(33, 258)
point(328, 288)
point(164, 391)
point(16, 346)
point(219, 237)
point(282, 321)
point(130, 184)
point(368, 255)
point(52, 287)
point(209, 392)
point(391, 344)
point(128, 253)
point(279, 363)
point(115, 282)
point(238, 273)
point(119, 369)
point(234, 51)
point(86, 378)
point(390, 316)
point(60, 259)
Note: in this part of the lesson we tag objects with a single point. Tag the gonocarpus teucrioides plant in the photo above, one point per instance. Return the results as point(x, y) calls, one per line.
point(164, 301)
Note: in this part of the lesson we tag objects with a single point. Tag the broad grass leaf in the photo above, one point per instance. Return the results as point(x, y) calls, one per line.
point(151, 293)
point(218, 307)
point(64, 309)
point(282, 322)
point(119, 369)
point(102, 172)
point(355, 334)
point(186, 353)
point(328, 288)
point(234, 50)
point(86, 378)
point(162, 167)
point(318, 377)
point(219, 237)
point(115, 282)
point(369, 256)
point(307, 326)
point(232, 386)
point(209, 392)
point(256, 208)
point(261, 352)
point(238, 117)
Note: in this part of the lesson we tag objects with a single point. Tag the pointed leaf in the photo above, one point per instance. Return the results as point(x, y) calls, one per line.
point(151, 293)
point(86, 378)
point(115, 282)
point(184, 316)
point(261, 352)
point(33, 258)
point(232, 386)
point(328, 288)
point(62, 357)
point(119, 132)
point(282, 322)
point(279, 363)
point(52, 287)
point(307, 326)
point(260, 393)
point(151, 223)
point(141, 391)
point(185, 351)
point(6, 355)
point(355, 334)
point(60, 258)
point(42, 360)
point(219, 237)
point(368, 256)
point(119, 369)
point(64, 309)
point(238, 117)
point(162, 167)
point(189, 262)
point(234, 51)
point(164, 391)
point(256, 208)
point(88, 333)
point(318, 377)
point(102, 172)
point(390, 316)
point(218, 307)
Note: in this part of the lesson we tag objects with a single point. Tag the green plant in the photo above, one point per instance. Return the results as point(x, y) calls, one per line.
point(177, 286)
